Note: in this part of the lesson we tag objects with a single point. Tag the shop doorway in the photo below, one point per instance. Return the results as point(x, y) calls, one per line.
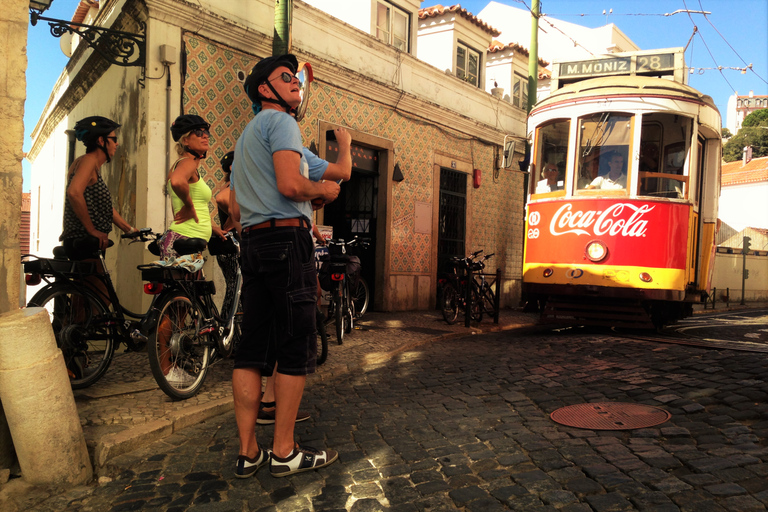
point(354, 212)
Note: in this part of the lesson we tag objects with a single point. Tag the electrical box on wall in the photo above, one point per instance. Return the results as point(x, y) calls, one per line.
point(476, 175)
point(167, 54)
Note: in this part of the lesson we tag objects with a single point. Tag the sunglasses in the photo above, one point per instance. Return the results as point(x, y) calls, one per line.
point(286, 77)
point(200, 132)
point(113, 139)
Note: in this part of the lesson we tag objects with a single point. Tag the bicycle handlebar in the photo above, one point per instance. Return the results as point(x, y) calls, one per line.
point(141, 235)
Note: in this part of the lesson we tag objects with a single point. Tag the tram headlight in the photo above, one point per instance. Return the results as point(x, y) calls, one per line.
point(548, 272)
point(596, 250)
point(645, 277)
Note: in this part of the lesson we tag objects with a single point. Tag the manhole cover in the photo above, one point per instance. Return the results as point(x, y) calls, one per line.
point(610, 416)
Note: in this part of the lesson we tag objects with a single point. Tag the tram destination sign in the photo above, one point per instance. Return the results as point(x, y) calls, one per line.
point(661, 63)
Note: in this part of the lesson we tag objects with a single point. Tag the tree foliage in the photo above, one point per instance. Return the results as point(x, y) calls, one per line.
point(753, 132)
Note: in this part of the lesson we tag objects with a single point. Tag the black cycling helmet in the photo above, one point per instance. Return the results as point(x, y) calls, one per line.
point(89, 129)
point(226, 162)
point(259, 75)
point(186, 123)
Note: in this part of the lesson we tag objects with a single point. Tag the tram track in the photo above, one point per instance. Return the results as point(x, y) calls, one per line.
point(684, 333)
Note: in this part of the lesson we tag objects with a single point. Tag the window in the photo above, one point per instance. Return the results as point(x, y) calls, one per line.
point(548, 168)
point(468, 64)
point(603, 151)
point(392, 25)
point(519, 91)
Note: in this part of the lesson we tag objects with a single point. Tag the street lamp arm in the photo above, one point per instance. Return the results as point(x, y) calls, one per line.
point(688, 11)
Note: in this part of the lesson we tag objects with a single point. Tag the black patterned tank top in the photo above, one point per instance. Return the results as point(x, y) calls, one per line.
point(99, 202)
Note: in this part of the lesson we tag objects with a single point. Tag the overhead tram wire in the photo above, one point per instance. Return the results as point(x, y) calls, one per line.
point(708, 50)
point(747, 66)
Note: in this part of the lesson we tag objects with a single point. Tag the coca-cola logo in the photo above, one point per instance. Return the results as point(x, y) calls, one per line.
point(620, 219)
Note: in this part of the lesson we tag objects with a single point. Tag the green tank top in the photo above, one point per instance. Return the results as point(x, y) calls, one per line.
point(200, 194)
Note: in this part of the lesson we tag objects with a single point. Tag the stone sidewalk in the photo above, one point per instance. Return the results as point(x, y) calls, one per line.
point(126, 409)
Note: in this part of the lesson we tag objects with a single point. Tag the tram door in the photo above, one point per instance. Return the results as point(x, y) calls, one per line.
point(452, 218)
point(353, 213)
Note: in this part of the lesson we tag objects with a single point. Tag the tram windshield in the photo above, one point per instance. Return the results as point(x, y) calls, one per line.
point(604, 140)
point(606, 157)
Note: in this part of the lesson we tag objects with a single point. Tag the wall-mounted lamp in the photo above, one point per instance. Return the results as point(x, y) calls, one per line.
point(120, 48)
point(397, 174)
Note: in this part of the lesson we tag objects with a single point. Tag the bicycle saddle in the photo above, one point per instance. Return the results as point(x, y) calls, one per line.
point(189, 246)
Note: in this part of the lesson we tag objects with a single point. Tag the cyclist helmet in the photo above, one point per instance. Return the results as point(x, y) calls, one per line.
point(259, 75)
point(186, 123)
point(226, 162)
point(89, 129)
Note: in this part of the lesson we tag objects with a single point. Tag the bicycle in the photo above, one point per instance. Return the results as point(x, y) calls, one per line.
point(86, 330)
point(349, 297)
point(190, 334)
point(460, 290)
point(487, 296)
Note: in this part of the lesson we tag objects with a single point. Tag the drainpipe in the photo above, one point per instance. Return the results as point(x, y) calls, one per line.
point(281, 42)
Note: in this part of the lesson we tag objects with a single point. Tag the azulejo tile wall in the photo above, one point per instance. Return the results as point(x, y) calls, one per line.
point(211, 90)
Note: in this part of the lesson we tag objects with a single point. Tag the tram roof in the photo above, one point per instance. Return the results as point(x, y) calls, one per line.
point(625, 86)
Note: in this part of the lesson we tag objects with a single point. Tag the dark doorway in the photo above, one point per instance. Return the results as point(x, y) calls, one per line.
point(452, 218)
point(354, 211)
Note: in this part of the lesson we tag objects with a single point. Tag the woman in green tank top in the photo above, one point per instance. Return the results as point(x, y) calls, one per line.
point(190, 195)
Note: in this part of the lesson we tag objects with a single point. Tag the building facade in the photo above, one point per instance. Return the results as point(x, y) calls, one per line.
point(739, 107)
point(743, 192)
point(444, 134)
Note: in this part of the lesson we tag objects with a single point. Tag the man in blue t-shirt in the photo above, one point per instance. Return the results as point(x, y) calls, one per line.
point(276, 182)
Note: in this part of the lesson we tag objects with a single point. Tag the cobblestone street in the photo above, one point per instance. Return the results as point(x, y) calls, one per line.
point(463, 423)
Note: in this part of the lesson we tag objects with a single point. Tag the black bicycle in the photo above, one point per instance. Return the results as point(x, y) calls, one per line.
point(190, 333)
point(466, 286)
point(77, 298)
point(340, 275)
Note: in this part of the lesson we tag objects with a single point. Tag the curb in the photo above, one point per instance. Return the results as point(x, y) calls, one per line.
point(119, 443)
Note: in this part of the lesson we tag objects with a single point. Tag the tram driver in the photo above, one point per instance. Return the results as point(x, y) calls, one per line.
point(615, 179)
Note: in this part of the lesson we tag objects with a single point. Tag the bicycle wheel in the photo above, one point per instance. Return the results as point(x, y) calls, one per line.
point(338, 314)
point(476, 308)
point(322, 339)
point(449, 303)
point(178, 353)
point(488, 300)
point(360, 297)
point(79, 322)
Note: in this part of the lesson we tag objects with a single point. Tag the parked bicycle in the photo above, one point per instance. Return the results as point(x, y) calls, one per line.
point(466, 288)
point(349, 295)
point(76, 298)
point(190, 334)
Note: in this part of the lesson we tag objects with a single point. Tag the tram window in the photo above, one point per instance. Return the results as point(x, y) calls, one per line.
point(548, 171)
point(604, 140)
point(663, 153)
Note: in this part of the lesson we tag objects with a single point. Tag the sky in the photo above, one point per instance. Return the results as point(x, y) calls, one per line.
point(734, 35)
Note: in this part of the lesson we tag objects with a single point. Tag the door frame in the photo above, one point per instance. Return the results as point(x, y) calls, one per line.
point(385, 147)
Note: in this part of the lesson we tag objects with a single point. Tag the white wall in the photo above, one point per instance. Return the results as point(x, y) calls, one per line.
point(728, 271)
point(743, 206)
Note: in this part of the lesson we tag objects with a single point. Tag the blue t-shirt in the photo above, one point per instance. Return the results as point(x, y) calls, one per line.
point(253, 170)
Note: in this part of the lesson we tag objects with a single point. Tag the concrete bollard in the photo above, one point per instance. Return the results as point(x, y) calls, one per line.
point(38, 402)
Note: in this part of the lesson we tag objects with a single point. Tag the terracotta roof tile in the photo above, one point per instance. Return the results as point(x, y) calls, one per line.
point(735, 173)
point(498, 46)
point(439, 10)
point(82, 10)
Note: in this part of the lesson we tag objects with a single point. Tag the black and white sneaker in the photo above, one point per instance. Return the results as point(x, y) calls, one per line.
point(302, 458)
point(247, 466)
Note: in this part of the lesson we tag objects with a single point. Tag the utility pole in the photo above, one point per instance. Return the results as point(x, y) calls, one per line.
point(282, 40)
point(533, 57)
point(745, 247)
